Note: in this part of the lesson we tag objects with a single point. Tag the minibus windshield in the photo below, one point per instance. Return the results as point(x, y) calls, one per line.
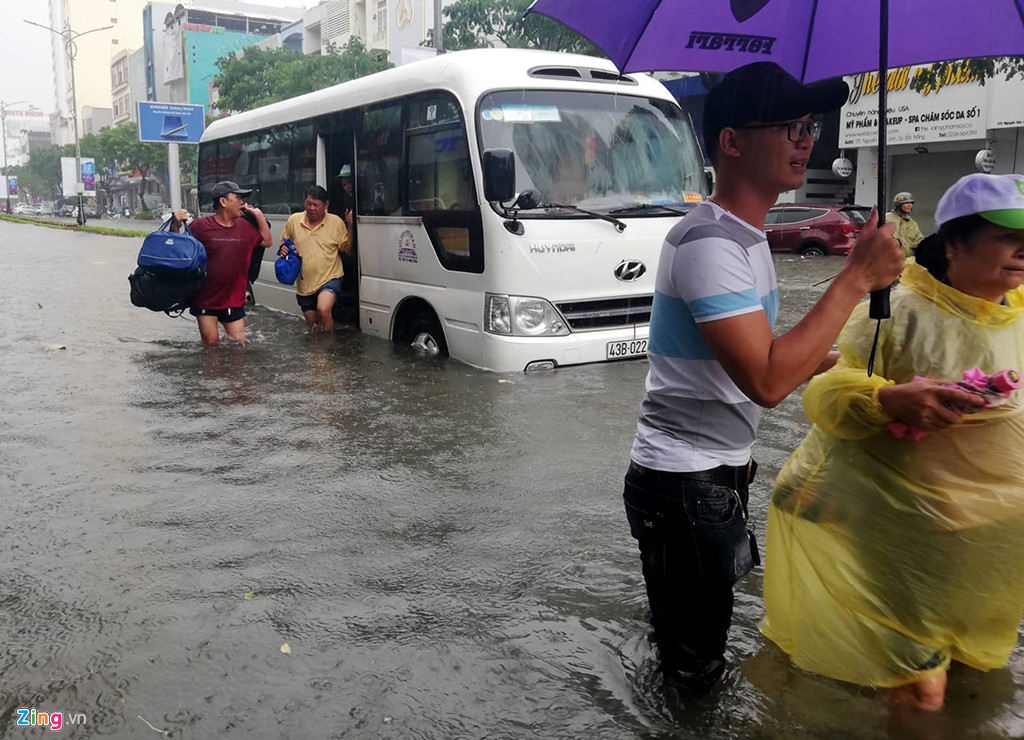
point(599, 151)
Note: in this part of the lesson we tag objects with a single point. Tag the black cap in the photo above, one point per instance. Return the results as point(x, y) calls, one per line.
point(763, 92)
point(225, 187)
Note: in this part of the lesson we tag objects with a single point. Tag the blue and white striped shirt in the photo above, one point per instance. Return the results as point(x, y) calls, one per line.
point(713, 266)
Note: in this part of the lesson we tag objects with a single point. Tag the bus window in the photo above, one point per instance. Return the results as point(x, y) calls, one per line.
point(274, 170)
point(440, 177)
point(440, 181)
point(303, 165)
point(380, 158)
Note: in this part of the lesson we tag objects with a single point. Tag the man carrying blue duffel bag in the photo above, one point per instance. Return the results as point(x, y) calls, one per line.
point(229, 239)
point(171, 271)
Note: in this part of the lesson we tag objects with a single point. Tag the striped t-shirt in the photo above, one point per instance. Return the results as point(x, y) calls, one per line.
point(713, 266)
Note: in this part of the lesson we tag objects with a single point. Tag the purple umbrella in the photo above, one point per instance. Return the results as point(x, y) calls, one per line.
point(811, 39)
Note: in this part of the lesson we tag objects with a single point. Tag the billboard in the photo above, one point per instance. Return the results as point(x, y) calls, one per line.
point(69, 181)
point(959, 107)
point(12, 185)
point(167, 123)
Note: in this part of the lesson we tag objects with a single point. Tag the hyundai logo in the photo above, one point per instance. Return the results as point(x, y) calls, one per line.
point(629, 271)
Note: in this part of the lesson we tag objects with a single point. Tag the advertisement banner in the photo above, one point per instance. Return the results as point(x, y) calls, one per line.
point(957, 108)
point(12, 185)
point(69, 185)
point(162, 123)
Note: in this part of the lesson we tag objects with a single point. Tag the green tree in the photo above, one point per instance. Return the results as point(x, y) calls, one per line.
point(981, 69)
point(119, 149)
point(41, 176)
point(473, 24)
point(257, 77)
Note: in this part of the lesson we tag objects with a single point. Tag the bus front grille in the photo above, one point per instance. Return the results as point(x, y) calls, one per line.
point(607, 313)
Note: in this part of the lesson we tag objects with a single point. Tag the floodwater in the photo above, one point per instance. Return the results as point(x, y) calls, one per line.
point(443, 550)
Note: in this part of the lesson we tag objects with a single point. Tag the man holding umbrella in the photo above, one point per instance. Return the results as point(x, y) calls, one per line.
point(715, 363)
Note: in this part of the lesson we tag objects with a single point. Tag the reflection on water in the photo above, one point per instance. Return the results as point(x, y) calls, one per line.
point(443, 549)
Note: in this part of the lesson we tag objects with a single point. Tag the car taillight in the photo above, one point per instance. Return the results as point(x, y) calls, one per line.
point(849, 228)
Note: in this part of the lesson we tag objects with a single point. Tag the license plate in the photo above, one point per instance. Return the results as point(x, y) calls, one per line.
point(628, 348)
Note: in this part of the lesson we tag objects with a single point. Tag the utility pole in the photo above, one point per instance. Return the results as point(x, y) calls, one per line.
point(70, 37)
point(438, 28)
point(7, 166)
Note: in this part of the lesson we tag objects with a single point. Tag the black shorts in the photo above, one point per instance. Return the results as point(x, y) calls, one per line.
point(224, 315)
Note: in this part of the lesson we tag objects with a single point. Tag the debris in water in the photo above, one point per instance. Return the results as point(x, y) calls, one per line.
point(286, 649)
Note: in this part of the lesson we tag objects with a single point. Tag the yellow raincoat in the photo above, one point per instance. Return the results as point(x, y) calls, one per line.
point(887, 558)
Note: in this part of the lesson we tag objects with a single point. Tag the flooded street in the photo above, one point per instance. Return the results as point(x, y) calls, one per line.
point(443, 550)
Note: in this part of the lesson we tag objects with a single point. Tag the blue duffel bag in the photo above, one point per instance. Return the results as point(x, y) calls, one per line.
point(289, 267)
point(171, 271)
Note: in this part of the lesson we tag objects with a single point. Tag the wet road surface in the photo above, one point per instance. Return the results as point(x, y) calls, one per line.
point(443, 550)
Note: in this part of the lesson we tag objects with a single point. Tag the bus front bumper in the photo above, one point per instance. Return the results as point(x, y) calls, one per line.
point(517, 354)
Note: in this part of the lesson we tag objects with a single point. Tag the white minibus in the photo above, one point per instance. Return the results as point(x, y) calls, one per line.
point(509, 205)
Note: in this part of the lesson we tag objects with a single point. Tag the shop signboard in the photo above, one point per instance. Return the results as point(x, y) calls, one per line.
point(957, 108)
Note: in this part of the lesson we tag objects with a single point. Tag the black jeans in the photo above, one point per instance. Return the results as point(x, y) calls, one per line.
point(694, 543)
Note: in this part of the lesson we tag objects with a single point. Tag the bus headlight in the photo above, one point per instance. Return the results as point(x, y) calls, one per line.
point(535, 317)
point(522, 316)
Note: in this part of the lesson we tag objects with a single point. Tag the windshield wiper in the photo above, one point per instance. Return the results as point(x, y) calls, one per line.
point(649, 206)
point(620, 226)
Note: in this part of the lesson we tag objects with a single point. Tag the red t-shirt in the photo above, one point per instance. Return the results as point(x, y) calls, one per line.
point(228, 251)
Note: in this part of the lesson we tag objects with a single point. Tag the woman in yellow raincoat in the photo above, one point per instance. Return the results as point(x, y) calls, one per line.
point(888, 558)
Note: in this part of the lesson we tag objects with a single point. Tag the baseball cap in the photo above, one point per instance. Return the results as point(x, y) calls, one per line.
point(996, 198)
point(346, 171)
point(763, 92)
point(225, 187)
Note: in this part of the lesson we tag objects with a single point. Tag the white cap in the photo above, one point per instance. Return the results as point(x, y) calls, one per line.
point(346, 171)
point(996, 198)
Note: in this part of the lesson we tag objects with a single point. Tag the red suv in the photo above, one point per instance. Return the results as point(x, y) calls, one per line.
point(812, 229)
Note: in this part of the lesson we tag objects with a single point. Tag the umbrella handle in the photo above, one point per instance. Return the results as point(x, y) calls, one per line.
point(880, 304)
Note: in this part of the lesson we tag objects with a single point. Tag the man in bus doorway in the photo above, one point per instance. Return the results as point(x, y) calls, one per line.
point(715, 362)
point(229, 238)
point(320, 239)
point(343, 195)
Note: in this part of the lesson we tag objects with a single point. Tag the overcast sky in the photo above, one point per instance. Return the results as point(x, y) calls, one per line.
point(26, 51)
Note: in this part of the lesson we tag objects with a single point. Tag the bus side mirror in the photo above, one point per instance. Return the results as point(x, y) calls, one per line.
point(499, 175)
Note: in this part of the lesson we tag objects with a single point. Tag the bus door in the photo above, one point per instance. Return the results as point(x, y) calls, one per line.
point(339, 151)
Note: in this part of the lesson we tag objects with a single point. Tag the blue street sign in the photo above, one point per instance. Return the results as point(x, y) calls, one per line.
point(166, 123)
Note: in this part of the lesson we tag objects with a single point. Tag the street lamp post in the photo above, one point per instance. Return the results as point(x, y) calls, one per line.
point(70, 37)
point(3, 134)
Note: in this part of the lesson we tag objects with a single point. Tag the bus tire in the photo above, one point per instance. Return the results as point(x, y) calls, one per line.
point(424, 333)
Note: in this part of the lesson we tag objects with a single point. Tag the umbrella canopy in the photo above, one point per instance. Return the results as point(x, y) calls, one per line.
point(811, 39)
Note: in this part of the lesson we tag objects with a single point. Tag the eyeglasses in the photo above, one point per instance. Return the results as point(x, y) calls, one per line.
point(796, 130)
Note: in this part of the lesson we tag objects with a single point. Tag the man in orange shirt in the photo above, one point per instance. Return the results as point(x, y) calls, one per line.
point(320, 239)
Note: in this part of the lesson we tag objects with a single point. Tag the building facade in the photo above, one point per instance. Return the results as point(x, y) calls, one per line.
point(396, 26)
point(120, 87)
point(94, 52)
point(127, 84)
point(26, 131)
point(183, 42)
point(95, 120)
